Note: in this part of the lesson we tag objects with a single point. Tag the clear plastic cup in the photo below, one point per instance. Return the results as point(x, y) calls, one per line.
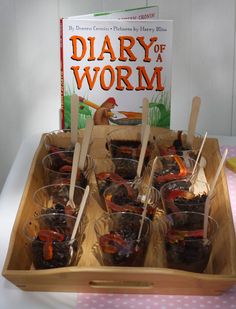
point(175, 142)
point(60, 140)
point(130, 197)
point(186, 248)
point(183, 195)
point(49, 239)
point(170, 168)
point(126, 143)
point(58, 165)
point(117, 236)
point(114, 170)
point(54, 199)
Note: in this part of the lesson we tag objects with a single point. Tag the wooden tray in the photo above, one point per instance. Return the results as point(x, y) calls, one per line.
point(89, 276)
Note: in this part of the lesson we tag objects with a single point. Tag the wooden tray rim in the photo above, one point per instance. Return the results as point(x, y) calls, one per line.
point(153, 271)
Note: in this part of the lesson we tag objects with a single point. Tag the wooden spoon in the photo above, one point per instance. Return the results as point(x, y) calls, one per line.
point(199, 153)
point(147, 198)
point(74, 172)
point(74, 118)
point(196, 102)
point(193, 188)
point(81, 211)
point(78, 218)
point(143, 149)
point(86, 142)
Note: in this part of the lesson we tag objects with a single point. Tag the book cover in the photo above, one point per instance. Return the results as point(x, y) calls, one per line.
point(112, 65)
point(147, 12)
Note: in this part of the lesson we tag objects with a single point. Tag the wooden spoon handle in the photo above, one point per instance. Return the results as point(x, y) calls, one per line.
point(81, 211)
point(199, 153)
point(147, 198)
point(196, 102)
point(143, 149)
point(74, 171)
point(86, 142)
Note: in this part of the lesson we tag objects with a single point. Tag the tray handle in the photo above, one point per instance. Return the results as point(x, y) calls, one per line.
point(120, 284)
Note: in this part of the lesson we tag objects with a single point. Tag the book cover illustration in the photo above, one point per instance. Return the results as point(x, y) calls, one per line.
point(112, 65)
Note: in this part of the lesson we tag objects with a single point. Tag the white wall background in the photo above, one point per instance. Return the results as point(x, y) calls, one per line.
point(203, 64)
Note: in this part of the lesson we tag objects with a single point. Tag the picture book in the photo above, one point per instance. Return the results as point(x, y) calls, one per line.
point(147, 12)
point(112, 65)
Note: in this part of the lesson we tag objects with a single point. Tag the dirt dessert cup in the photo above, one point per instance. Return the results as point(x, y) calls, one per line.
point(175, 142)
point(183, 195)
point(186, 249)
point(54, 199)
point(60, 140)
point(114, 170)
point(130, 197)
point(58, 165)
point(126, 143)
point(126, 168)
point(117, 235)
point(170, 168)
point(49, 239)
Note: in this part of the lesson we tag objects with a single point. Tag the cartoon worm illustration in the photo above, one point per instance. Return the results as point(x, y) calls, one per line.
point(101, 116)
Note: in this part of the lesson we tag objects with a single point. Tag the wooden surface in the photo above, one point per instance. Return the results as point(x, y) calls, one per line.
point(89, 276)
